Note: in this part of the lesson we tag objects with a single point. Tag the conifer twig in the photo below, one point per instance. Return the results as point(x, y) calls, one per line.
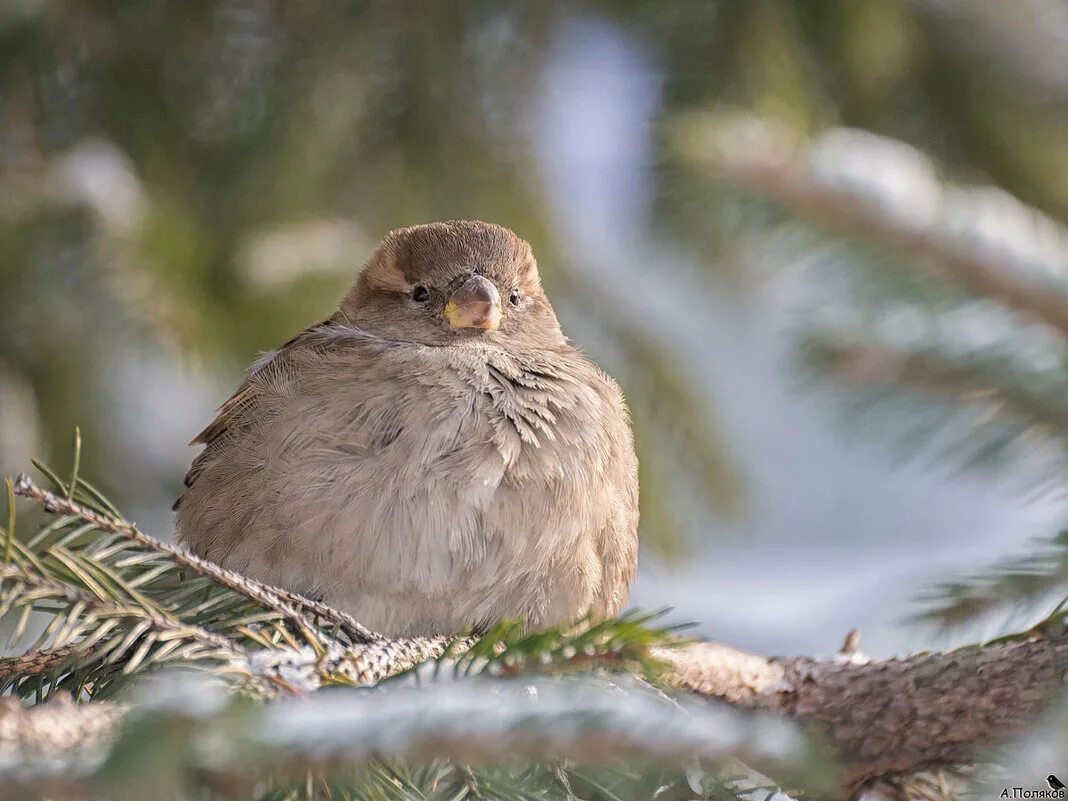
point(30, 580)
point(33, 663)
point(780, 176)
point(951, 381)
point(288, 604)
point(28, 587)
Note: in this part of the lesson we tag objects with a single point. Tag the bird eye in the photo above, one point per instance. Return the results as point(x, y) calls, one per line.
point(420, 294)
point(514, 298)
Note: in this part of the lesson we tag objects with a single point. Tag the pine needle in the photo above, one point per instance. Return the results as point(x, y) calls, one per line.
point(9, 542)
point(77, 463)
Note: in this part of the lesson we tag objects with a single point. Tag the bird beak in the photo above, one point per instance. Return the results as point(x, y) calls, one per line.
point(476, 304)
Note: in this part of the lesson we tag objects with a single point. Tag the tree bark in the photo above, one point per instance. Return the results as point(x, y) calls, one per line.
point(894, 716)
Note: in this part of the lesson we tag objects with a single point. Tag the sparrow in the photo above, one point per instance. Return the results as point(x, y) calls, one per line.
point(433, 458)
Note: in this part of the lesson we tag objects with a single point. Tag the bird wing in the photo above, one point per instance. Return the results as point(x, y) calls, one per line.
point(619, 540)
point(229, 416)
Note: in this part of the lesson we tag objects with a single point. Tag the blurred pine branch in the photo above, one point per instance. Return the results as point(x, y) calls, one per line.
point(1031, 578)
point(953, 322)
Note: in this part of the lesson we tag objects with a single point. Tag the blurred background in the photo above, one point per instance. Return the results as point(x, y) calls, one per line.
point(819, 243)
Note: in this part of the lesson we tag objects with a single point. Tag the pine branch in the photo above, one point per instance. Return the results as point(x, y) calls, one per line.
point(891, 717)
point(293, 607)
point(104, 648)
point(32, 663)
point(1029, 578)
point(476, 738)
point(775, 168)
point(624, 644)
point(958, 381)
point(1008, 411)
point(884, 718)
point(972, 370)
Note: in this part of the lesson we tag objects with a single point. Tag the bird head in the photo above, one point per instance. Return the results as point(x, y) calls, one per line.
point(452, 282)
